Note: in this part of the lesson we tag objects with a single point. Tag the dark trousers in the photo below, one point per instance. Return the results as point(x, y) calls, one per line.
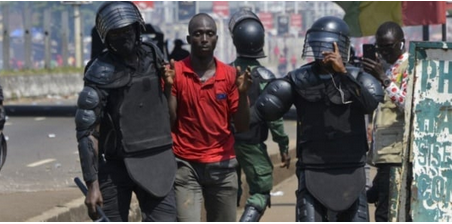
point(117, 187)
point(379, 192)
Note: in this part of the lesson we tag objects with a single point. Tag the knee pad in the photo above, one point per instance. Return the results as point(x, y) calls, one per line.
point(305, 210)
point(305, 207)
point(358, 212)
point(362, 213)
point(251, 214)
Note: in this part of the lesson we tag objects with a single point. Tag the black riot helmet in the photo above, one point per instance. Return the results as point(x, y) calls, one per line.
point(323, 33)
point(114, 15)
point(248, 34)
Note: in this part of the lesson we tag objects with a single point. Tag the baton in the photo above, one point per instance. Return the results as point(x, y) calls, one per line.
point(99, 210)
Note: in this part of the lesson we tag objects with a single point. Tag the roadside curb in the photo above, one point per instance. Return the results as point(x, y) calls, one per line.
point(40, 110)
point(70, 212)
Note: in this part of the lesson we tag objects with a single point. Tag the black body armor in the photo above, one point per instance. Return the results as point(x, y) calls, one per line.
point(126, 104)
point(132, 109)
point(341, 134)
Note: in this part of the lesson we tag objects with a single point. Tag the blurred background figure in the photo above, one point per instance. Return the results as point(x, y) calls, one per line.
point(178, 52)
point(293, 61)
point(282, 65)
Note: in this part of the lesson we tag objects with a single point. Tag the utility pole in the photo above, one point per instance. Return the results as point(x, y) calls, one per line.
point(6, 39)
point(47, 42)
point(27, 36)
point(77, 40)
point(65, 37)
point(78, 45)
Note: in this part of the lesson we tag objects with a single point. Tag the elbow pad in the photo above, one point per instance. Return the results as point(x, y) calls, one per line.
point(85, 120)
point(88, 111)
point(88, 159)
point(372, 85)
point(275, 100)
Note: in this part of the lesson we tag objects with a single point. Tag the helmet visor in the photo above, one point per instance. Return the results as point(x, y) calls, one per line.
point(317, 42)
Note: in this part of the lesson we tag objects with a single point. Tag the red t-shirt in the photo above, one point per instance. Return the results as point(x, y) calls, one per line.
point(202, 132)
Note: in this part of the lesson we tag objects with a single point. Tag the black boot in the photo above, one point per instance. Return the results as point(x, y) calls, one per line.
point(251, 214)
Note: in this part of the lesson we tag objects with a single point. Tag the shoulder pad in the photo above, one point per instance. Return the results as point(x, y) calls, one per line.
point(372, 85)
point(264, 73)
point(102, 72)
point(354, 71)
point(275, 100)
point(160, 58)
point(304, 77)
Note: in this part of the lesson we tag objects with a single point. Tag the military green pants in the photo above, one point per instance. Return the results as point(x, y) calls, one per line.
point(258, 168)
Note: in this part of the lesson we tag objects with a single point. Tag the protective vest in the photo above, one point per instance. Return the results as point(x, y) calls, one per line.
point(137, 110)
point(332, 133)
point(388, 134)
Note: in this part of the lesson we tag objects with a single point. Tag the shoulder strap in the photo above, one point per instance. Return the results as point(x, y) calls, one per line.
point(159, 59)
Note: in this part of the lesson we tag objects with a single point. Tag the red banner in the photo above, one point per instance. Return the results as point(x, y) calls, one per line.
point(143, 5)
point(423, 13)
point(266, 19)
point(296, 21)
point(221, 8)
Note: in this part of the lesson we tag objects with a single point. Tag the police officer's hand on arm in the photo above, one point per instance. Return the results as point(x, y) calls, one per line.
point(334, 59)
point(374, 68)
point(168, 78)
point(242, 116)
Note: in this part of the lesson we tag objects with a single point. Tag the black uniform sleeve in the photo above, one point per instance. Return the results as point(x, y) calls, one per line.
point(87, 118)
point(359, 93)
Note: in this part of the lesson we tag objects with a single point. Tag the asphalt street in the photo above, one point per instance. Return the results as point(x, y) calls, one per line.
point(42, 154)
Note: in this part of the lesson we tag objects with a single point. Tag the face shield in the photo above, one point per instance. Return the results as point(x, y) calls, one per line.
point(317, 41)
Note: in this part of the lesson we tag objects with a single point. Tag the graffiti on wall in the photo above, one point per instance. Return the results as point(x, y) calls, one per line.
point(432, 147)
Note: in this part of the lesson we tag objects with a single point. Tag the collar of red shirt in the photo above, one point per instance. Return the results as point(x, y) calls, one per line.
point(220, 70)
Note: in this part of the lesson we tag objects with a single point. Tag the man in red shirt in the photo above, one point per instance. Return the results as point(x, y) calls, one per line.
point(206, 96)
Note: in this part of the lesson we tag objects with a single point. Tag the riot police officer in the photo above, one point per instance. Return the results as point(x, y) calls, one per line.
point(123, 124)
point(331, 99)
point(248, 36)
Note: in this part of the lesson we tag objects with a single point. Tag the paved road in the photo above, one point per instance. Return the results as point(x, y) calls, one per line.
point(42, 154)
point(42, 151)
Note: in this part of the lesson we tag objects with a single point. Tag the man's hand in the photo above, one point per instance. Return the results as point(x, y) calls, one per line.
point(169, 74)
point(93, 198)
point(374, 68)
point(334, 59)
point(285, 160)
point(243, 80)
